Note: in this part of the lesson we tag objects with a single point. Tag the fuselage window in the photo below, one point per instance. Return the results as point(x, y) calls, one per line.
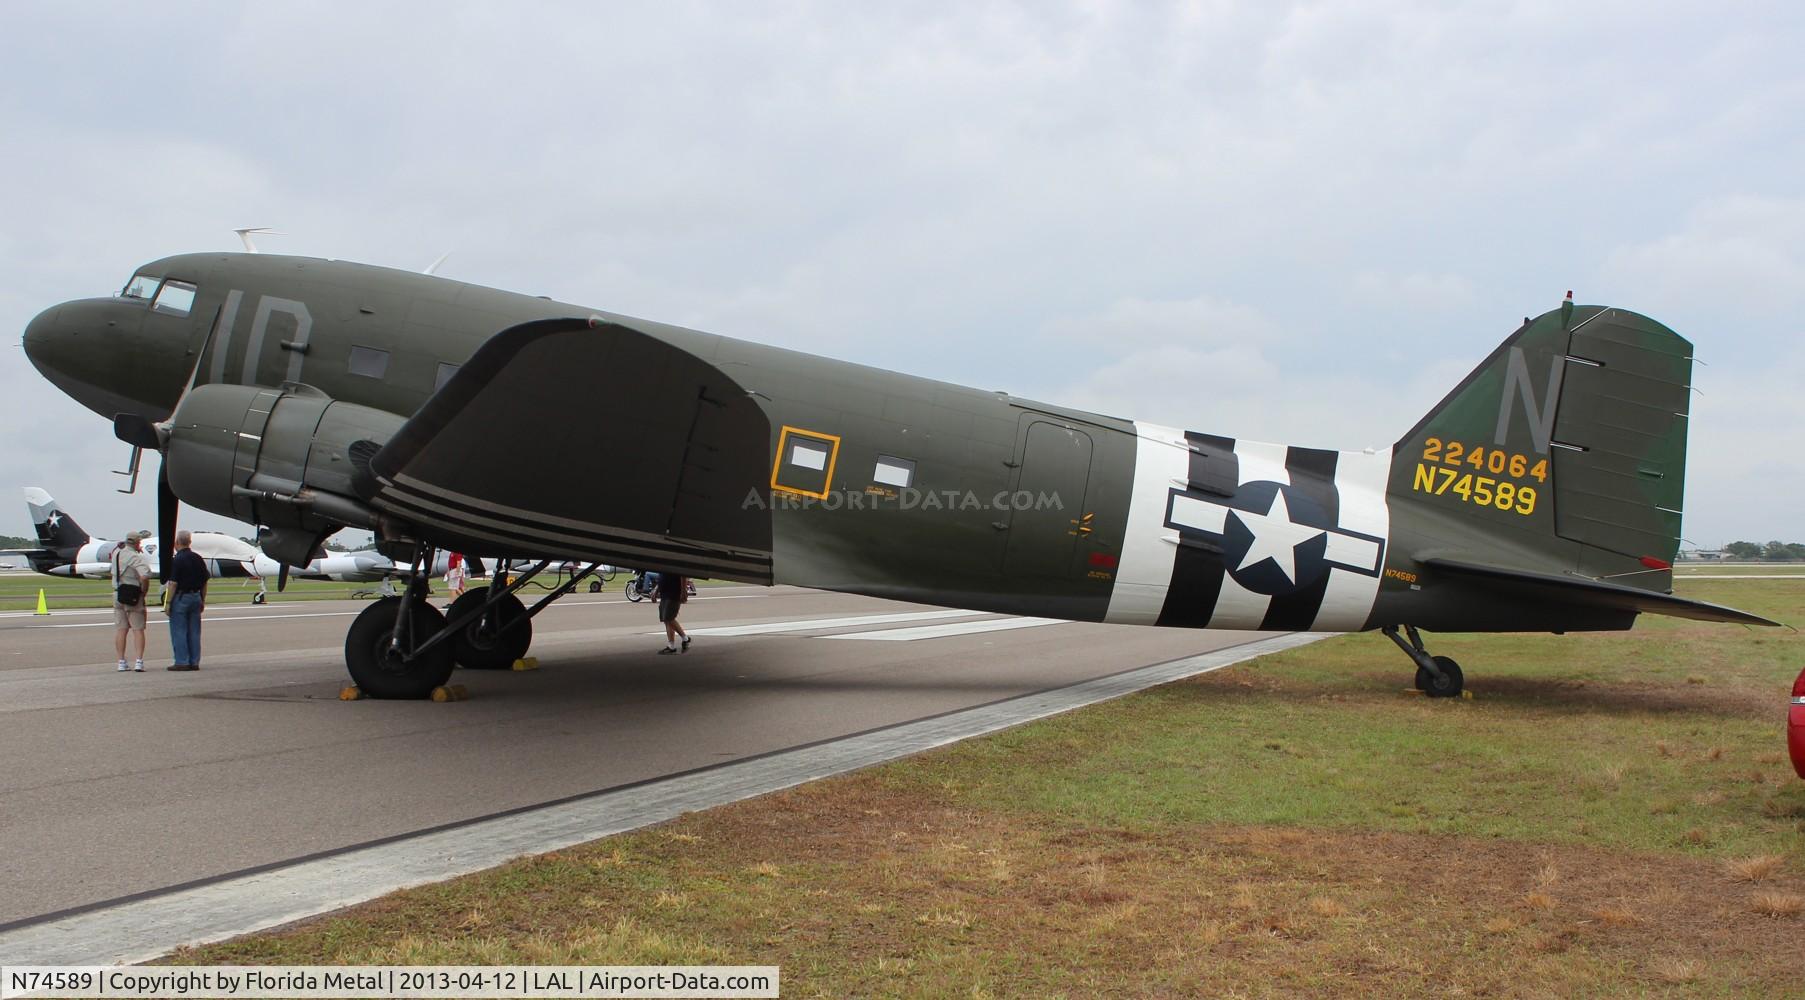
point(446, 370)
point(891, 471)
point(369, 362)
point(177, 297)
point(142, 286)
point(805, 462)
point(808, 455)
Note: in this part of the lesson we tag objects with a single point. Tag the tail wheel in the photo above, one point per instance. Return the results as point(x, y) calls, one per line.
point(482, 644)
point(376, 664)
point(1448, 685)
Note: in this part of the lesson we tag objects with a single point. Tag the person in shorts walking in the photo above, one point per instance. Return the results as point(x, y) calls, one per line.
point(131, 578)
point(673, 593)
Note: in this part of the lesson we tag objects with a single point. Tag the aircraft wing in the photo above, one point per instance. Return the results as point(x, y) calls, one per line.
point(660, 478)
point(1597, 593)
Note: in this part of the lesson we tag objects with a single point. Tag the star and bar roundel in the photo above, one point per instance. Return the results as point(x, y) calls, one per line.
point(1274, 538)
point(1262, 536)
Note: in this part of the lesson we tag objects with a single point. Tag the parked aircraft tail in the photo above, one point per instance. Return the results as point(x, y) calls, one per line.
point(56, 530)
point(1559, 465)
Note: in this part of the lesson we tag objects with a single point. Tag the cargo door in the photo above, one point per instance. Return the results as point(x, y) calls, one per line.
point(1046, 512)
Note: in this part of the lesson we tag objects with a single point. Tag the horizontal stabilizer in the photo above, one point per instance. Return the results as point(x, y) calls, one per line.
point(1596, 593)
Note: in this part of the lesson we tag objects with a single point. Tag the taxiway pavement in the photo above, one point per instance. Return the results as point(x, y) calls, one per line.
point(114, 785)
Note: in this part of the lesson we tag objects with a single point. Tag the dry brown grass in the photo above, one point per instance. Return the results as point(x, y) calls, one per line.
point(1777, 904)
point(1324, 906)
point(1676, 970)
point(812, 882)
point(1548, 876)
point(1754, 869)
point(1616, 916)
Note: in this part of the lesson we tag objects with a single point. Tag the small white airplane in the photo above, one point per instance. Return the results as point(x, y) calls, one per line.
point(66, 550)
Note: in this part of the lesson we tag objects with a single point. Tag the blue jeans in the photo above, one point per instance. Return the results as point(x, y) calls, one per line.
point(185, 628)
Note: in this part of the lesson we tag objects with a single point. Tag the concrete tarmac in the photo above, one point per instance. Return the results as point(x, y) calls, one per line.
point(115, 784)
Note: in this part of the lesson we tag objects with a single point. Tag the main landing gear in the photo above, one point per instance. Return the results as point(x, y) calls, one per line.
point(1436, 676)
point(403, 647)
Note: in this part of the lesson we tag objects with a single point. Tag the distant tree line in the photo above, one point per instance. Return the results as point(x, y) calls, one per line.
point(15, 542)
point(1771, 552)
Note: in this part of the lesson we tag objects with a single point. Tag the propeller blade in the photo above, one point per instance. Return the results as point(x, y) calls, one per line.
point(282, 578)
point(168, 507)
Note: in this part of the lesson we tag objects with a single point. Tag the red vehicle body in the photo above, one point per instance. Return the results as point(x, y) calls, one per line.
point(1795, 725)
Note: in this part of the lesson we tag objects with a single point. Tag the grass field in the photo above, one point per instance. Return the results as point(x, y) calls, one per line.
point(19, 591)
point(1608, 815)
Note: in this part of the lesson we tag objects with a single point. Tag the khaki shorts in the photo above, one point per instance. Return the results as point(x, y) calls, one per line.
point(131, 618)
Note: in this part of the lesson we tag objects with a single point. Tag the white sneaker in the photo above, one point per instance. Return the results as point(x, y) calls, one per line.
point(122, 666)
point(138, 668)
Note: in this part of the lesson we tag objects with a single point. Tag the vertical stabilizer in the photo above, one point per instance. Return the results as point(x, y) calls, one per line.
point(56, 530)
point(1564, 451)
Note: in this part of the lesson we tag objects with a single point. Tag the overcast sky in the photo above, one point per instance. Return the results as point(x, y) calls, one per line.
point(1300, 223)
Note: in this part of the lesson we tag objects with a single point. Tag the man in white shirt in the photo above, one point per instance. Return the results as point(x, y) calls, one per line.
point(130, 567)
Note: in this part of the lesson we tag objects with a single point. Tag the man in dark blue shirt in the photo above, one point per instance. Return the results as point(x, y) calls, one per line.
point(187, 585)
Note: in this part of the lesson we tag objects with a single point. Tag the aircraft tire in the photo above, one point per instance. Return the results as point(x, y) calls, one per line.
point(259, 598)
point(633, 593)
point(477, 650)
point(595, 586)
point(1450, 684)
point(379, 674)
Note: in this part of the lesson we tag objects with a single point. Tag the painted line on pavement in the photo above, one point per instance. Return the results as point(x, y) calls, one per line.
point(943, 631)
point(147, 925)
point(772, 628)
point(274, 616)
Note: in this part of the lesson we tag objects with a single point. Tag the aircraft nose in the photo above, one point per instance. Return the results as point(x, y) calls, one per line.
point(38, 335)
point(72, 347)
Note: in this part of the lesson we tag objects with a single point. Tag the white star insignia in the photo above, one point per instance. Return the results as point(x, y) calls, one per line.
point(55, 518)
point(1275, 536)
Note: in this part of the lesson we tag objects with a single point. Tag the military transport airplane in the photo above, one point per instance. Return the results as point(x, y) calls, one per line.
point(305, 395)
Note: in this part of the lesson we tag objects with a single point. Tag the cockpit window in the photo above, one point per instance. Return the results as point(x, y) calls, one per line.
point(142, 286)
point(177, 297)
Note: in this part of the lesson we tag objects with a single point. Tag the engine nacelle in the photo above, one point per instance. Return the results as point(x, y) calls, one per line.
point(285, 459)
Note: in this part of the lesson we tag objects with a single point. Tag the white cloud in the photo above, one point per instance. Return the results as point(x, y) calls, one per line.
point(1433, 292)
point(1233, 384)
point(1740, 254)
point(1295, 221)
